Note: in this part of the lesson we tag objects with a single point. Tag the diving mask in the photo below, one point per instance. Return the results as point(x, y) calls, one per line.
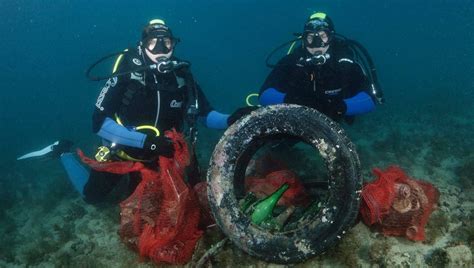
point(160, 45)
point(316, 39)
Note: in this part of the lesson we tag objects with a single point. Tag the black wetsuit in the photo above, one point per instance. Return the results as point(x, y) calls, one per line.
point(143, 98)
point(147, 98)
point(318, 86)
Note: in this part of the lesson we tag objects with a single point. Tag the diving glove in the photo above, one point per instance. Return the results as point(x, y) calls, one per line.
point(239, 113)
point(159, 146)
point(336, 109)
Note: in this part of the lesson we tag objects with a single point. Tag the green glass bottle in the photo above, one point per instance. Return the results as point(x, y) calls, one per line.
point(248, 201)
point(277, 223)
point(264, 208)
point(310, 211)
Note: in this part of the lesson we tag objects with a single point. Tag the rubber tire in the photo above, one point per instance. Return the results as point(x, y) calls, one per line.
point(345, 183)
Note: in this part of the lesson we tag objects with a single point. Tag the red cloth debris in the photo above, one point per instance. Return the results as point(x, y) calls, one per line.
point(397, 205)
point(263, 187)
point(160, 219)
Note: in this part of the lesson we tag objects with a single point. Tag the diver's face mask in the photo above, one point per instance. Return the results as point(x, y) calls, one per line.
point(160, 45)
point(317, 39)
point(317, 33)
point(158, 39)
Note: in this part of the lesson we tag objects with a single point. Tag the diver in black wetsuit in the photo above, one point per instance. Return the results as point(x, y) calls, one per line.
point(136, 107)
point(322, 74)
point(161, 98)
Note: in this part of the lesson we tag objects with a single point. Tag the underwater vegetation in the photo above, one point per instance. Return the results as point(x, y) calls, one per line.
point(436, 227)
point(466, 231)
point(465, 173)
point(438, 258)
point(378, 250)
point(346, 251)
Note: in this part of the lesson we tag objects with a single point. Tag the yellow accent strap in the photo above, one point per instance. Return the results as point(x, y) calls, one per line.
point(318, 15)
point(247, 100)
point(125, 156)
point(149, 127)
point(157, 21)
point(117, 62)
point(104, 152)
point(152, 128)
point(291, 48)
point(293, 45)
point(117, 119)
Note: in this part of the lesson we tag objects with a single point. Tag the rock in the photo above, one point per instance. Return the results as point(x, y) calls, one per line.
point(399, 257)
point(459, 256)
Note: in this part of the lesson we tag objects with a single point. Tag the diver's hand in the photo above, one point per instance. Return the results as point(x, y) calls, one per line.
point(337, 108)
point(340, 108)
point(159, 146)
point(239, 113)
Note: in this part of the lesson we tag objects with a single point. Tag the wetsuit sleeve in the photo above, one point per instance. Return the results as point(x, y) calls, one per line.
point(108, 102)
point(107, 105)
point(210, 117)
point(357, 97)
point(119, 134)
point(204, 106)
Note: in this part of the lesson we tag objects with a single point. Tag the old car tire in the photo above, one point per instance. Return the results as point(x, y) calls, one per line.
point(328, 225)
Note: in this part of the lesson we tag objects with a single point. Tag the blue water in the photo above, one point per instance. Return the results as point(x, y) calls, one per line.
point(423, 51)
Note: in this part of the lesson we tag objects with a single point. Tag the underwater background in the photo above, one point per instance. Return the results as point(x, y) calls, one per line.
point(423, 51)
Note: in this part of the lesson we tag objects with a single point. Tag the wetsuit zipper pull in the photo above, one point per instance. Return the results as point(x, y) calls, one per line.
point(158, 100)
point(314, 82)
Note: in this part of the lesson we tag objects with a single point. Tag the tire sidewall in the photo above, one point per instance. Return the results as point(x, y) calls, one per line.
point(338, 212)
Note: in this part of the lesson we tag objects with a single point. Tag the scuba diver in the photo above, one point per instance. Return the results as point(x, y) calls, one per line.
point(328, 72)
point(149, 92)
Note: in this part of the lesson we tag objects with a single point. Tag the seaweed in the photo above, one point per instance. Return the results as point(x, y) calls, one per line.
point(465, 173)
point(75, 212)
point(63, 233)
point(64, 260)
point(67, 260)
point(35, 254)
point(436, 227)
point(466, 231)
point(438, 258)
point(7, 249)
point(470, 236)
point(347, 251)
point(378, 250)
point(439, 146)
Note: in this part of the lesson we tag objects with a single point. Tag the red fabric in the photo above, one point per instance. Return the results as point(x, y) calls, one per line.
point(206, 215)
point(268, 164)
point(160, 219)
point(398, 205)
point(263, 187)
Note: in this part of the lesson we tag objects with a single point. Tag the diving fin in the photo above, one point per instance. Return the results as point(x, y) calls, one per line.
point(77, 173)
point(54, 150)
